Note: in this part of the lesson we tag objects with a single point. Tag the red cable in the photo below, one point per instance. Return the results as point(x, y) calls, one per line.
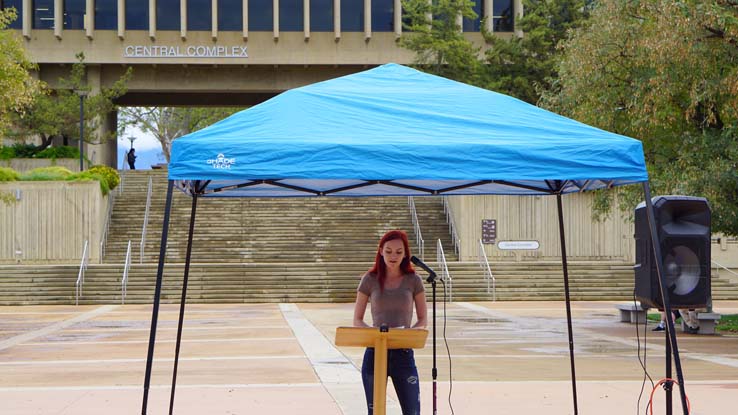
point(650, 400)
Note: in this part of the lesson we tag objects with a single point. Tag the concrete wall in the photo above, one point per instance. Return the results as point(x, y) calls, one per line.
point(23, 165)
point(50, 221)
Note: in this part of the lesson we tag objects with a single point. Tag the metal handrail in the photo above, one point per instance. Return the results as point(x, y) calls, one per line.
point(719, 265)
point(145, 224)
point(445, 275)
point(484, 264)
point(451, 225)
point(104, 237)
point(124, 280)
point(81, 274)
point(416, 227)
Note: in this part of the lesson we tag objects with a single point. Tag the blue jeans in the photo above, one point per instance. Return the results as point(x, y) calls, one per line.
point(401, 368)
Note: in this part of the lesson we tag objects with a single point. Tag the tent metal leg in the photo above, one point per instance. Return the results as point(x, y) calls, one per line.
point(183, 300)
point(157, 295)
point(568, 301)
point(659, 261)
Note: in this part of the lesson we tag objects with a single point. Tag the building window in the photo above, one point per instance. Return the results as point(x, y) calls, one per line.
point(199, 15)
point(321, 15)
point(18, 6)
point(502, 12)
point(291, 18)
point(43, 14)
point(74, 14)
point(261, 15)
point(167, 15)
point(106, 14)
point(230, 15)
point(475, 25)
point(137, 14)
point(352, 15)
point(383, 17)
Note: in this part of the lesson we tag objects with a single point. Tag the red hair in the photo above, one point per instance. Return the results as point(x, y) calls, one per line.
point(380, 268)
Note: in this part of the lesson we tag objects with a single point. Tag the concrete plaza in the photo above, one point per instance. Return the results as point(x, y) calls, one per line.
point(505, 358)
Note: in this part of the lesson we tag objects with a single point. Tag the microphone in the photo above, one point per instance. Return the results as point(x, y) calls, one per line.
point(421, 264)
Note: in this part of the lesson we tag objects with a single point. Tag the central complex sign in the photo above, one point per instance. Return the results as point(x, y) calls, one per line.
point(192, 51)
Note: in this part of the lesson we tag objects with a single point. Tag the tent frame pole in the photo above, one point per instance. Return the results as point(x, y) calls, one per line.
point(565, 267)
point(157, 294)
point(183, 299)
point(671, 340)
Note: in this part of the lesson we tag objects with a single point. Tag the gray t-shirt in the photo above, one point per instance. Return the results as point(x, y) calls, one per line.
point(393, 307)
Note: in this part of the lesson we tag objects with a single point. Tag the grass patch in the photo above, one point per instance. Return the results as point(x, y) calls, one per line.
point(728, 323)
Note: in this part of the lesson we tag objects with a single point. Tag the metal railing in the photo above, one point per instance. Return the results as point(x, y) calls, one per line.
point(104, 237)
point(416, 227)
point(145, 224)
point(445, 275)
point(451, 225)
point(719, 265)
point(81, 276)
point(484, 264)
point(124, 280)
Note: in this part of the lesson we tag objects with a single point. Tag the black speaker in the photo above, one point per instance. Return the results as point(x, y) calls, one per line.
point(683, 233)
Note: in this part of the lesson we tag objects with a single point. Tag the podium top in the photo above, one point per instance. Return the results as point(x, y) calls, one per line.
point(369, 336)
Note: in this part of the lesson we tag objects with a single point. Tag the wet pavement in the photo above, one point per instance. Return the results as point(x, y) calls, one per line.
point(503, 358)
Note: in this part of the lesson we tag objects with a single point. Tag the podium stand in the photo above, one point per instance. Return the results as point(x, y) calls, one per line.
point(381, 341)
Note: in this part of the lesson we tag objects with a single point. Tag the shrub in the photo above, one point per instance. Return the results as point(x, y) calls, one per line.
point(8, 175)
point(24, 150)
point(110, 174)
point(62, 152)
point(7, 153)
point(88, 176)
point(47, 174)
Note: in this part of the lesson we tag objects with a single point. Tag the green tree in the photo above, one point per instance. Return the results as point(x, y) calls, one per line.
point(526, 66)
point(170, 123)
point(433, 33)
point(17, 87)
point(666, 72)
point(55, 113)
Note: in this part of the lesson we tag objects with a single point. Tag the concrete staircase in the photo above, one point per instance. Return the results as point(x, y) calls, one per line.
point(314, 282)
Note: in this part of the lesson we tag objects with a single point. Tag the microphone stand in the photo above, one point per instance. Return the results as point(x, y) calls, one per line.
point(432, 280)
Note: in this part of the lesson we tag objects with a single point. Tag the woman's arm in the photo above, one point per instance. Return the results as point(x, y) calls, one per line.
point(359, 309)
point(421, 309)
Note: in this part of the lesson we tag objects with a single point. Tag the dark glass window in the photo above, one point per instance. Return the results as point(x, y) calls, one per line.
point(43, 14)
point(167, 14)
point(352, 15)
point(230, 15)
point(503, 20)
point(199, 15)
point(383, 19)
point(106, 14)
point(261, 15)
point(18, 6)
point(475, 25)
point(321, 15)
point(74, 14)
point(291, 18)
point(137, 14)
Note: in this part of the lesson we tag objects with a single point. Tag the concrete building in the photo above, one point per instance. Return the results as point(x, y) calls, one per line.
point(220, 52)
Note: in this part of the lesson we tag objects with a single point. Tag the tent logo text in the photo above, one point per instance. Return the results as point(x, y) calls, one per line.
point(221, 162)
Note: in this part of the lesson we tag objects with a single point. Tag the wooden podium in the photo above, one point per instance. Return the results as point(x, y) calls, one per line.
point(381, 341)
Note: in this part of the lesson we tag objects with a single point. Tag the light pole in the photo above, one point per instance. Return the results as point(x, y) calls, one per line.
point(82, 95)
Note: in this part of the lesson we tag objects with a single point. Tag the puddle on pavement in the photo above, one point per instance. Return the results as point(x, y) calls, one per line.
point(478, 320)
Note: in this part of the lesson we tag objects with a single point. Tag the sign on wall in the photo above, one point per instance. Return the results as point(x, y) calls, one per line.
point(489, 231)
point(518, 245)
point(192, 51)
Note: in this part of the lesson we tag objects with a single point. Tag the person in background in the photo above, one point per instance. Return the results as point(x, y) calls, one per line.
point(392, 288)
point(131, 156)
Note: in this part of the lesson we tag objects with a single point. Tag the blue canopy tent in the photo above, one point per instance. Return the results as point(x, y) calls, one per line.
point(395, 131)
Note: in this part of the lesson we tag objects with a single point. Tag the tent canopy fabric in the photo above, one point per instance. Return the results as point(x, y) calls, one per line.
point(396, 131)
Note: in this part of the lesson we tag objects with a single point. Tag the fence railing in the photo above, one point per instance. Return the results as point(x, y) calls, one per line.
point(445, 275)
point(124, 280)
point(142, 245)
point(718, 266)
point(451, 225)
point(81, 275)
point(416, 227)
point(104, 237)
point(484, 264)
